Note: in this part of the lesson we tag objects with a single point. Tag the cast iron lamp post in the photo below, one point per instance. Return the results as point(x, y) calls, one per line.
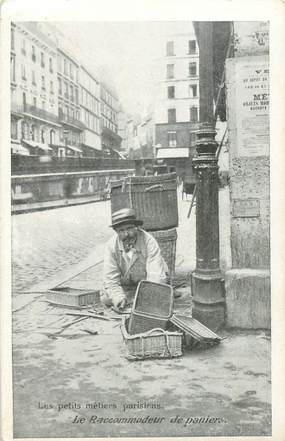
point(207, 280)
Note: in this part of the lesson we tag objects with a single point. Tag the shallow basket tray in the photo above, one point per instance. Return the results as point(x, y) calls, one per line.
point(73, 297)
point(156, 343)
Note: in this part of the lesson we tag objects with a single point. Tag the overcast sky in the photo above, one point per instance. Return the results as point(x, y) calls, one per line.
point(127, 49)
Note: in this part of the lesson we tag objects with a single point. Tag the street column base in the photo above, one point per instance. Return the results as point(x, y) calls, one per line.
point(208, 299)
point(248, 298)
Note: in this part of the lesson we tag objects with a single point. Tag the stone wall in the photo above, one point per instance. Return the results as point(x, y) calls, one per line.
point(247, 85)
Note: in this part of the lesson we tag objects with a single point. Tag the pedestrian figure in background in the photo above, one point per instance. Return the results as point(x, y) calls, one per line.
point(131, 255)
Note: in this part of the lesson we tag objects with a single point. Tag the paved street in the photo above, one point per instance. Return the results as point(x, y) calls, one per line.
point(58, 377)
point(46, 242)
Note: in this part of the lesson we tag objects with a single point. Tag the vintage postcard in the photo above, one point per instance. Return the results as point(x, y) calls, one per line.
point(141, 237)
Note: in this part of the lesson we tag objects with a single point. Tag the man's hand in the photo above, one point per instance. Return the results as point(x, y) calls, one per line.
point(120, 304)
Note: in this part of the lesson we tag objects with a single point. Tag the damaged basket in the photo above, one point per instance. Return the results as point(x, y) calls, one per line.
point(155, 343)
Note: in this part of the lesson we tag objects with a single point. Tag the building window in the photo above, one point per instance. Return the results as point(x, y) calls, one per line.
point(33, 78)
point(23, 69)
point(34, 101)
point(14, 129)
point(33, 53)
point(65, 67)
point(24, 130)
point(59, 63)
point(191, 46)
point(43, 105)
point(59, 86)
point(71, 94)
point(171, 116)
point(171, 92)
point(42, 136)
point(170, 48)
point(43, 83)
point(71, 71)
point(51, 87)
point(13, 69)
point(42, 59)
point(172, 141)
point(50, 65)
point(65, 90)
point(51, 136)
point(76, 95)
point(23, 49)
point(170, 71)
point(192, 69)
point(12, 39)
point(193, 114)
point(193, 138)
point(193, 90)
point(33, 133)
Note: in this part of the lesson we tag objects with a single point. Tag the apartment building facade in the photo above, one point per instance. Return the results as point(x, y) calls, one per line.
point(177, 102)
point(68, 104)
point(35, 128)
point(109, 118)
point(89, 99)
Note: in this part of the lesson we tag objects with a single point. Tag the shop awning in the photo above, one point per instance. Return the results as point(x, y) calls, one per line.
point(75, 149)
point(18, 148)
point(179, 152)
point(35, 144)
point(119, 154)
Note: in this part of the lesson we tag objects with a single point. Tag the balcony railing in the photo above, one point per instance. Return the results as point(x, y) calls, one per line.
point(39, 113)
point(17, 108)
point(70, 121)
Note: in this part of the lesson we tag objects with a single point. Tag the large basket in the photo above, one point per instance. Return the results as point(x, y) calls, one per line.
point(166, 240)
point(152, 308)
point(153, 197)
point(156, 343)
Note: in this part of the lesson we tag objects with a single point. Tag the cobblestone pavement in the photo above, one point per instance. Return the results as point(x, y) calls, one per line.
point(63, 375)
point(46, 242)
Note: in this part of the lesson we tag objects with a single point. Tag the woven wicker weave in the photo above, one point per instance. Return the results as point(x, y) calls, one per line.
point(66, 296)
point(155, 343)
point(152, 308)
point(153, 197)
point(167, 242)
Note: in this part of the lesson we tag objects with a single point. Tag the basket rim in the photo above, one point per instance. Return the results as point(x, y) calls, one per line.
point(145, 334)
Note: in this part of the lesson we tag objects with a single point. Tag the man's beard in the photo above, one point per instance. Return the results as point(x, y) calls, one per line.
point(129, 243)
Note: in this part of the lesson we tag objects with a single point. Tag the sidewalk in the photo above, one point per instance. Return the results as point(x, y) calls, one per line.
point(75, 376)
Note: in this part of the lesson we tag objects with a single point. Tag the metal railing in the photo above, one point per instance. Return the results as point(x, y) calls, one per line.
point(69, 120)
point(40, 113)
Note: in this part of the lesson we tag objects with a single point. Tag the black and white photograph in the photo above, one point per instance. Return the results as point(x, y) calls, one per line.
point(140, 220)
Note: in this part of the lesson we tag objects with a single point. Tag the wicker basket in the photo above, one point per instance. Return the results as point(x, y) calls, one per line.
point(156, 343)
point(152, 308)
point(166, 240)
point(153, 197)
point(73, 297)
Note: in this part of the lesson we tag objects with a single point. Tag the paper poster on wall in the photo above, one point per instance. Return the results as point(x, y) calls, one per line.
point(252, 107)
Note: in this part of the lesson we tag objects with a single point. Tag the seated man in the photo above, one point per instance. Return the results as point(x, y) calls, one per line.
point(131, 255)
